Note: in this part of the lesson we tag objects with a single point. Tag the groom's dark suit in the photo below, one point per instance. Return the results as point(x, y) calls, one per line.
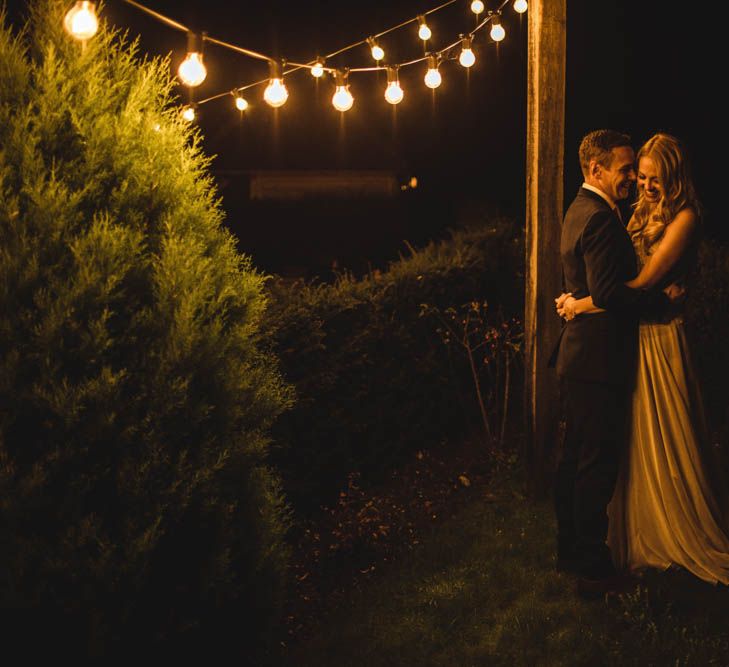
point(595, 361)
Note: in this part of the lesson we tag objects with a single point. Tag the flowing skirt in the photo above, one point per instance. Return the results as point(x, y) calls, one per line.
point(665, 510)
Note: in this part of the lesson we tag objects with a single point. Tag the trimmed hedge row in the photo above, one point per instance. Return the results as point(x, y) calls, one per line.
point(374, 379)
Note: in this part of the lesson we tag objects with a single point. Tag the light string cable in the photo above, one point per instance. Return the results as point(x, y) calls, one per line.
point(298, 66)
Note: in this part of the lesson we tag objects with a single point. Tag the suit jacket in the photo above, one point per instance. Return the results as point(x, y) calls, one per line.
point(598, 259)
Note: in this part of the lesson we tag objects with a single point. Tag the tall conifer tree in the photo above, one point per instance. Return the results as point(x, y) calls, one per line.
point(135, 391)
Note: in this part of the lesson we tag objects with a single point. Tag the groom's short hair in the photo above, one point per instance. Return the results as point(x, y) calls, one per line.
point(598, 145)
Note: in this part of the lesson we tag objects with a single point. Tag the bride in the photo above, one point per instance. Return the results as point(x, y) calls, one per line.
point(665, 510)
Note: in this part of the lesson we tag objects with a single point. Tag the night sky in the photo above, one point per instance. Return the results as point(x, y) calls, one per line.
point(633, 66)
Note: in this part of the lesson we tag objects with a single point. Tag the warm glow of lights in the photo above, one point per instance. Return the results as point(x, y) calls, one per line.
point(241, 103)
point(433, 78)
point(192, 72)
point(342, 99)
point(318, 69)
point(424, 31)
point(276, 93)
point(467, 57)
point(188, 113)
point(394, 93)
point(413, 182)
point(81, 22)
point(520, 6)
point(477, 7)
point(377, 52)
point(497, 31)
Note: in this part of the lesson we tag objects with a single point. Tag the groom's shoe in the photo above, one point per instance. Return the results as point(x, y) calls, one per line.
point(594, 589)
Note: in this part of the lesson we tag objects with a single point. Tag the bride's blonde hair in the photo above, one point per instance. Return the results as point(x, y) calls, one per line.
point(649, 222)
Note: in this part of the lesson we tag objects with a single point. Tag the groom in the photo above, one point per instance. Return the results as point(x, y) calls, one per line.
point(595, 359)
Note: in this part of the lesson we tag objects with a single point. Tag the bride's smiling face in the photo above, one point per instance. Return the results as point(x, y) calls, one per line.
point(649, 185)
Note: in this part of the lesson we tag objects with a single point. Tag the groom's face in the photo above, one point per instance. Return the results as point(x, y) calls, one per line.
point(617, 179)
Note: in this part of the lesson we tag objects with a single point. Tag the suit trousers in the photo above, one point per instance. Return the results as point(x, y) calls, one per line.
point(596, 423)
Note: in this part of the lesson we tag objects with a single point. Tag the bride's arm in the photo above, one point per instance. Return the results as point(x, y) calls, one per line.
point(675, 240)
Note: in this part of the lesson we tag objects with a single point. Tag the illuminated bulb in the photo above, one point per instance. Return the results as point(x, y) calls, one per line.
point(520, 6)
point(477, 7)
point(393, 92)
point(467, 57)
point(81, 22)
point(241, 103)
point(433, 78)
point(497, 30)
point(318, 69)
point(342, 98)
point(424, 31)
point(192, 72)
point(276, 94)
point(377, 51)
point(188, 113)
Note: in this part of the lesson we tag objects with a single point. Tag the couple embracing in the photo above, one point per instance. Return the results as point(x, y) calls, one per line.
point(634, 486)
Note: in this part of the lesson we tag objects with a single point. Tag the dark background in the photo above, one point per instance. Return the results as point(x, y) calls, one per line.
point(639, 67)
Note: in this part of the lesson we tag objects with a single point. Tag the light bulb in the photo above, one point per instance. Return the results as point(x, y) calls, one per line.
point(520, 6)
point(342, 99)
point(81, 22)
point(497, 32)
point(318, 69)
point(276, 93)
point(241, 103)
point(424, 31)
point(477, 7)
point(192, 72)
point(377, 52)
point(432, 76)
point(394, 93)
point(188, 113)
point(467, 57)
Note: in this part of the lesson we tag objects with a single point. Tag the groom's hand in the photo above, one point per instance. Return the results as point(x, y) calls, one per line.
point(559, 301)
point(676, 293)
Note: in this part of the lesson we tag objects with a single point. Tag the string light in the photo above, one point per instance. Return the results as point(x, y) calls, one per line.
point(188, 113)
point(81, 21)
point(467, 57)
point(378, 53)
point(276, 93)
point(241, 103)
point(433, 78)
point(318, 69)
point(192, 71)
point(424, 31)
point(393, 92)
point(497, 30)
point(342, 98)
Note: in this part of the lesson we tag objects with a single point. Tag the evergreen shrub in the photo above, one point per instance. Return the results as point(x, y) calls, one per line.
point(374, 380)
point(136, 501)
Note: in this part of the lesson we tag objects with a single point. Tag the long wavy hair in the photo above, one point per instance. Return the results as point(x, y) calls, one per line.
point(649, 220)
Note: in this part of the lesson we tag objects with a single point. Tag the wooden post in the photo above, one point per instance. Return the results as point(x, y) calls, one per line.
point(544, 210)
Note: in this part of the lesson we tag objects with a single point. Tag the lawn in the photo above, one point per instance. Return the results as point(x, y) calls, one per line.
point(479, 588)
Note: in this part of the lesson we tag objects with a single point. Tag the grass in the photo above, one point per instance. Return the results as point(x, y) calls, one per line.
point(480, 589)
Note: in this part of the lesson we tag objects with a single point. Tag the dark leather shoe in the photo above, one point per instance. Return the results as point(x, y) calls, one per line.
point(594, 589)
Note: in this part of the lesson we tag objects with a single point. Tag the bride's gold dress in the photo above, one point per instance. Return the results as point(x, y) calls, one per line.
point(665, 510)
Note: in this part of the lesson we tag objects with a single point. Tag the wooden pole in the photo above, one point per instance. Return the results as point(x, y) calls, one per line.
point(544, 211)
